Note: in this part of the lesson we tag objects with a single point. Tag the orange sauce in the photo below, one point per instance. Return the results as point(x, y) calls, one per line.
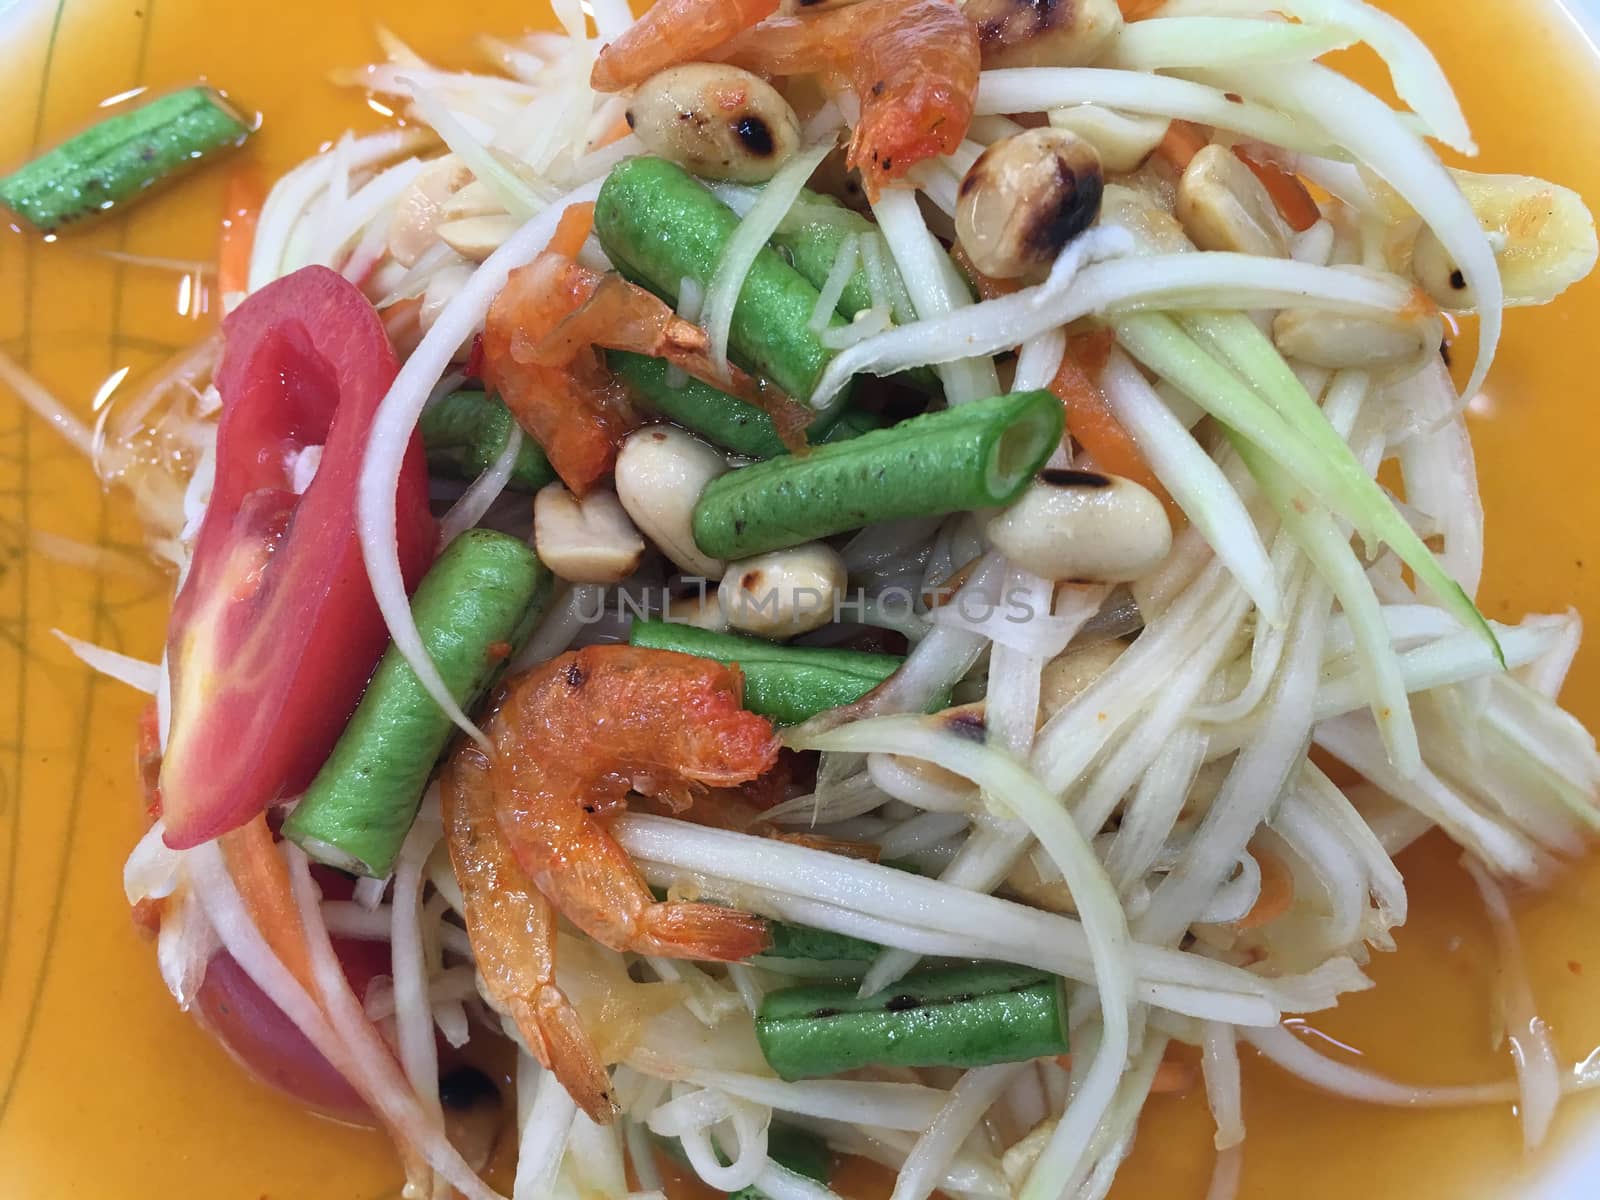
point(107, 1090)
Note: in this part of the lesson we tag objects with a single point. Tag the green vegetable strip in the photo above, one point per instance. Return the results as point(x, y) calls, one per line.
point(795, 1150)
point(812, 237)
point(976, 456)
point(785, 684)
point(660, 225)
point(1327, 469)
point(852, 423)
point(722, 419)
point(957, 1017)
point(818, 945)
point(120, 158)
point(806, 942)
point(700, 408)
point(1237, 341)
point(1329, 551)
point(475, 606)
point(465, 432)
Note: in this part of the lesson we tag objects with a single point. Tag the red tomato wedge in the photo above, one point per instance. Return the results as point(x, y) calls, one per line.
point(275, 631)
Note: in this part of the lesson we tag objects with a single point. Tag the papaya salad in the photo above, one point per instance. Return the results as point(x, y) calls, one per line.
point(879, 579)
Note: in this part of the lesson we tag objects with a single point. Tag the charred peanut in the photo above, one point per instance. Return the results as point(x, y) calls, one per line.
point(585, 541)
point(785, 593)
point(1543, 238)
point(1025, 198)
point(1068, 676)
point(1223, 206)
point(1084, 526)
point(1338, 342)
point(1030, 33)
point(716, 120)
point(660, 474)
point(1123, 140)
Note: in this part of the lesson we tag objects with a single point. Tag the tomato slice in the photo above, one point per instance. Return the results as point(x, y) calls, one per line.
point(267, 1044)
point(275, 631)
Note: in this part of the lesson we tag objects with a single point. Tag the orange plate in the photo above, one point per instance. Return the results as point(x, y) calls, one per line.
point(107, 1091)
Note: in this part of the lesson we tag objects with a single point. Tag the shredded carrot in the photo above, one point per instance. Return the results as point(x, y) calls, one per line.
point(1174, 1076)
point(572, 230)
point(1184, 140)
point(987, 286)
point(1092, 423)
point(241, 209)
point(1277, 891)
point(1138, 10)
point(1294, 203)
point(263, 881)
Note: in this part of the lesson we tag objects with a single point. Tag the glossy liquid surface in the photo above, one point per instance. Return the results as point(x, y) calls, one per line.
point(107, 1091)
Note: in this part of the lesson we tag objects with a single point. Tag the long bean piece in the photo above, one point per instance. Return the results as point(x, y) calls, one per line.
point(968, 1016)
point(812, 237)
point(785, 684)
point(466, 431)
point(660, 226)
point(797, 1150)
point(977, 456)
point(818, 945)
point(721, 419)
point(474, 608)
point(123, 157)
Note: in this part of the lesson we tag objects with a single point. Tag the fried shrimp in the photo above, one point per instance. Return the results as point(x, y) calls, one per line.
point(541, 346)
point(913, 65)
point(574, 737)
point(513, 932)
point(672, 32)
point(573, 408)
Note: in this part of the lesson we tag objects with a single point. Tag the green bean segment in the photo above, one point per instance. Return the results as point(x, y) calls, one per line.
point(970, 1016)
point(474, 608)
point(793, 1149)
point(818, 945)
point(464, 432)
point(785, 684)
point(122, 157)
point(721, 419)
point(977, 456)
point(659, 226)
point(812, 237)
point(852, 423)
